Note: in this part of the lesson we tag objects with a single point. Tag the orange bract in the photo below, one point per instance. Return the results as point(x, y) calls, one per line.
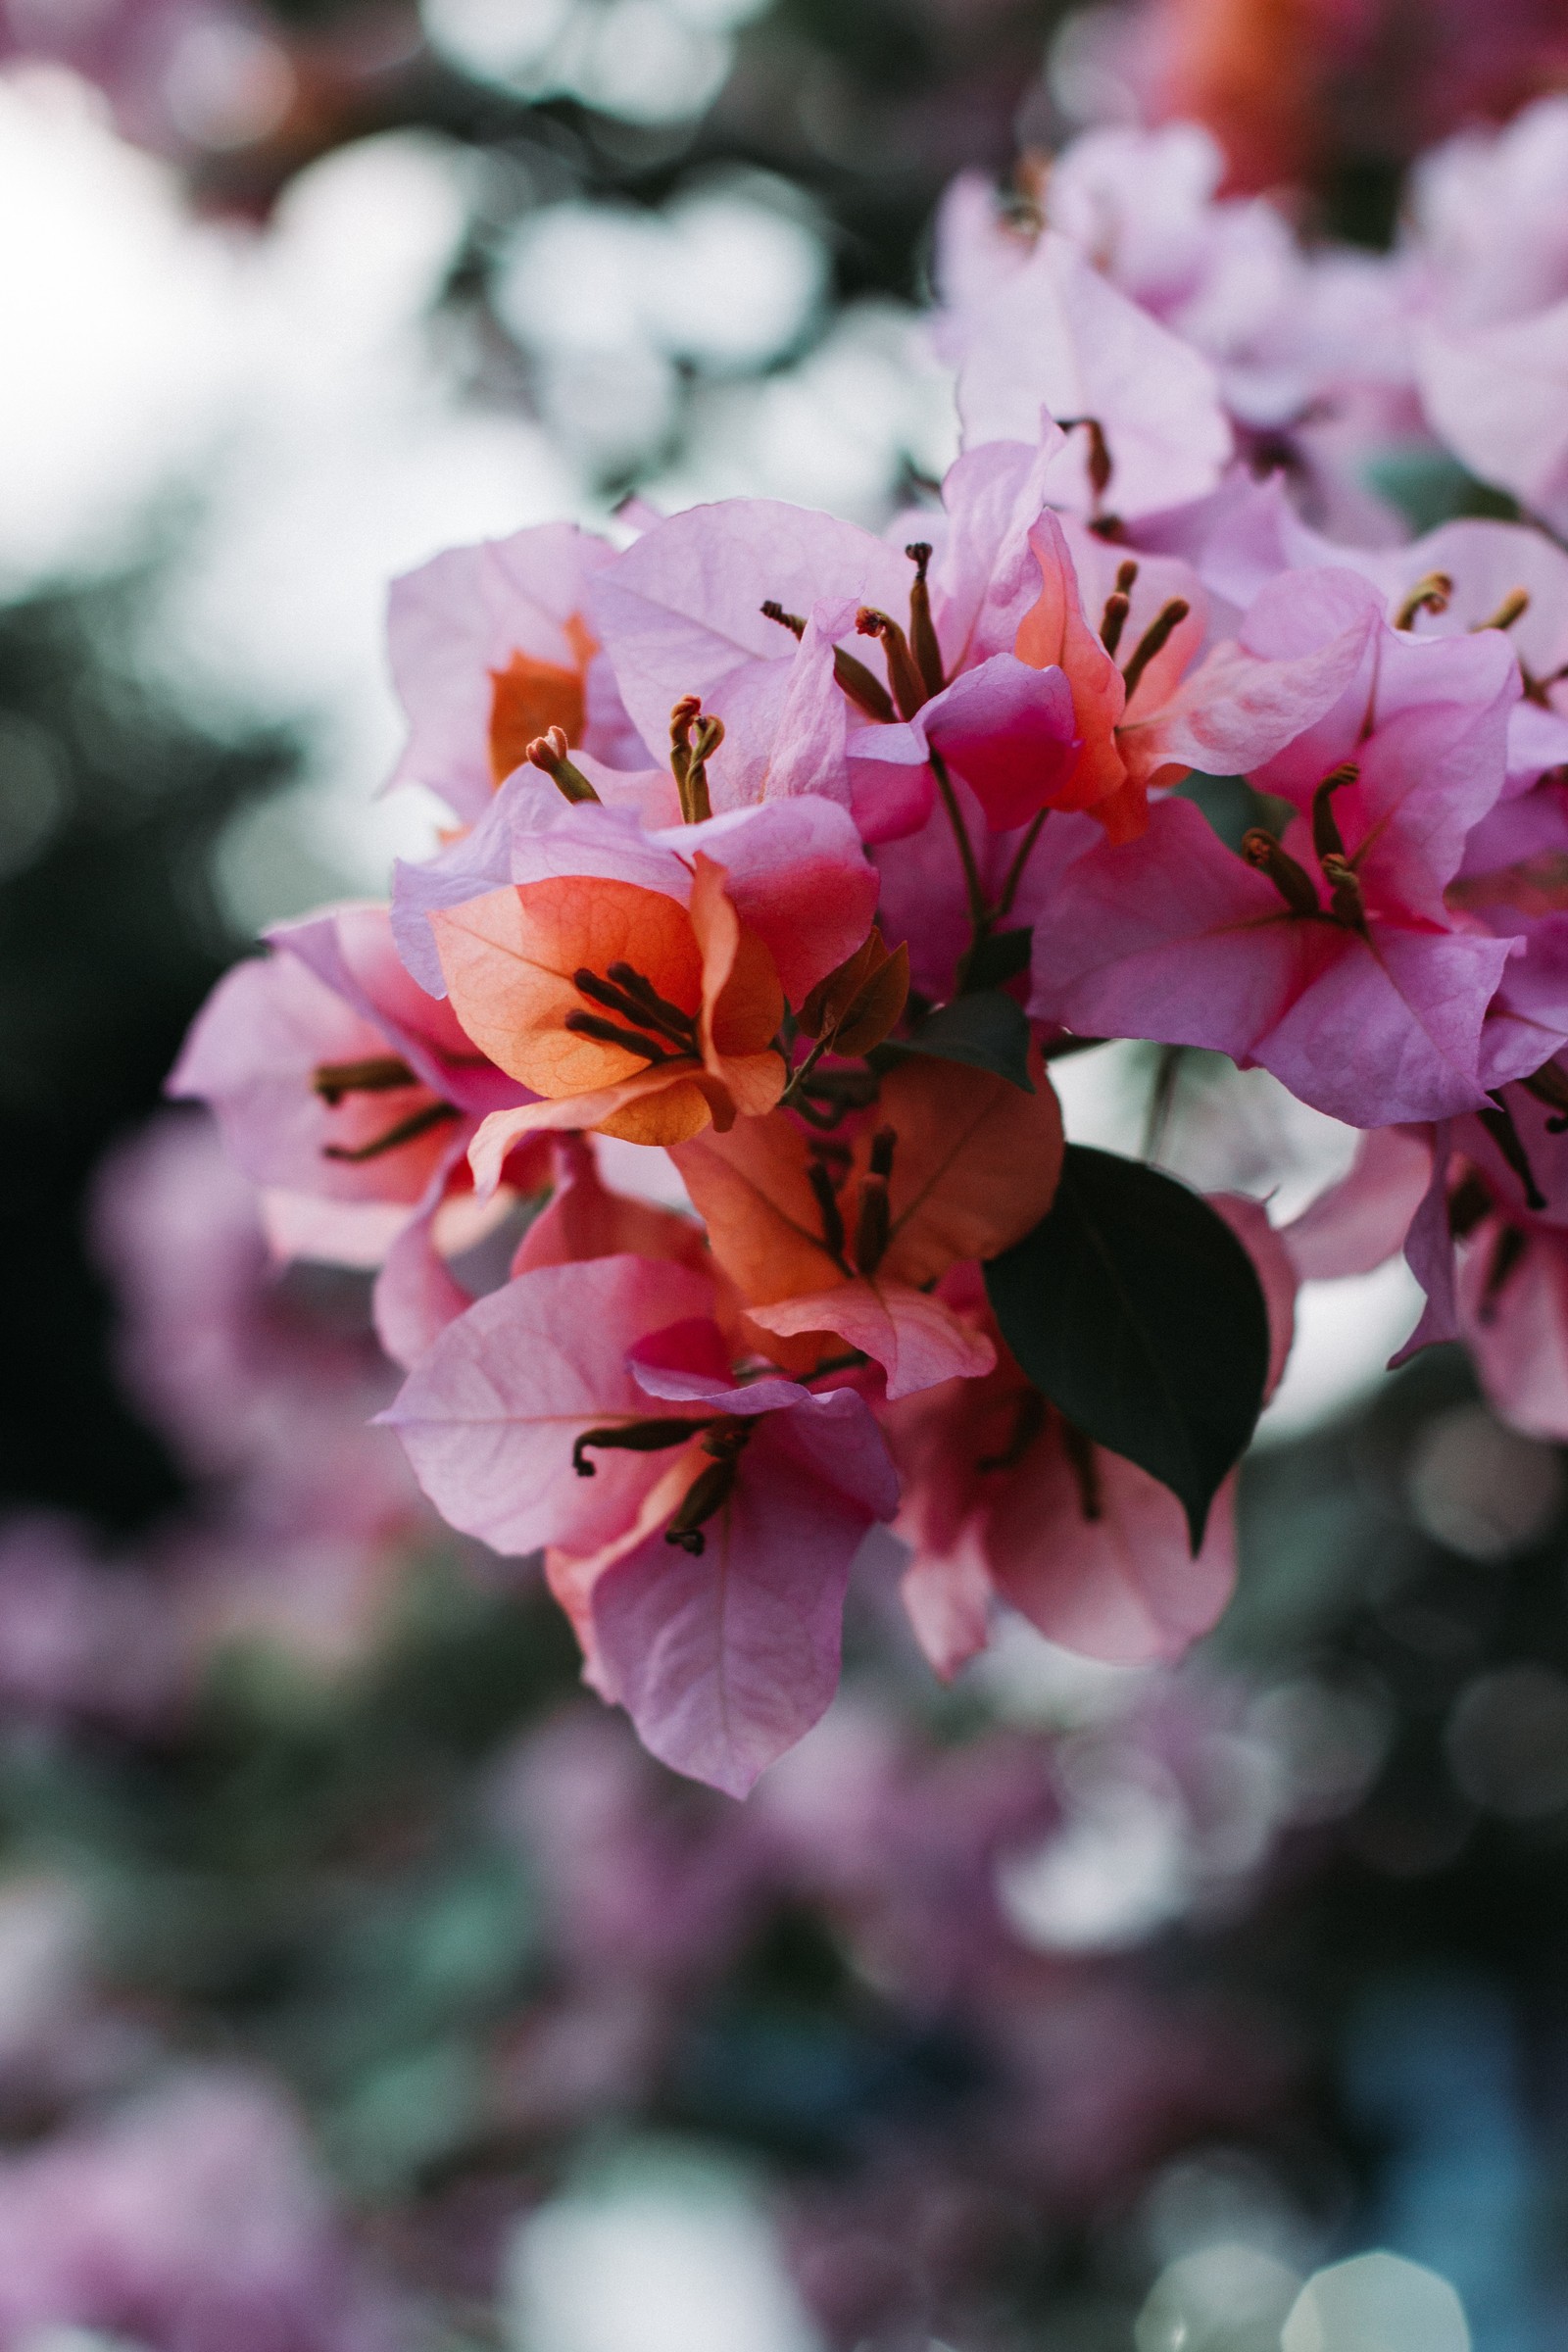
point(975, 1167)
point(515, 962)
point(529, 697)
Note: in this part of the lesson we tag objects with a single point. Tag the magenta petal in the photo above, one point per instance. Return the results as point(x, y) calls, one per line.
point(725, 1659)
point(1008, 731)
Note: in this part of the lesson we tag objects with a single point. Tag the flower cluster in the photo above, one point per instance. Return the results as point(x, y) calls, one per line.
point(787, 861)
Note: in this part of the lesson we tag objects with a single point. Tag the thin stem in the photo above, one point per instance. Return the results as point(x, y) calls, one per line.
point(799, 1077)
point(1010, 888)
point(979, 918)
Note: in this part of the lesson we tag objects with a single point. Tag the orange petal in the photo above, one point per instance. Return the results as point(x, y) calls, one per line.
point(1055, 631)
point(976, 1166)
point(527, 699)
point(673, 1109)
point(509, 957)
point(763, 1223)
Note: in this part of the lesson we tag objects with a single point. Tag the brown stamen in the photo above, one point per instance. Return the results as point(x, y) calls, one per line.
point(1346, 905)
point(710, 1490)
point(873, 1225)
point(1429, 594)
point(626, 992)
point(549, 752)
point(1113, 621)
point(407, 1131)
point(693, 740)
point(1293, 882)
point(867, 693)
point(634, 1041)
point(909, 687)
point(378, 1074)
point(1468, 1202)
point(1100, 464)
point(1153, 641)
point(1515, 606)
point(1326, 836)
point(632, 1436)
point(922, 628)
point(827, 1201)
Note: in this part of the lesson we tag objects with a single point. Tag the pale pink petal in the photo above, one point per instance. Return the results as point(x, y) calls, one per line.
point(252, 1053)
point(680, 612)
point(1389, 1033)
point(1518, 1338)
point(1123, 1587)
point(1361, 1222)
point(948, 1599)
point(1057, 335)
point(416, 1297)
point(489, 1415)
point(353, 950)
point(1276, 1272)
point(1429, 1254)
point(461, 618)
point(1499, 396)
point(724, 1660)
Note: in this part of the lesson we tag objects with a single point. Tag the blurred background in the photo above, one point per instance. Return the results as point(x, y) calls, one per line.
point(362, 1985)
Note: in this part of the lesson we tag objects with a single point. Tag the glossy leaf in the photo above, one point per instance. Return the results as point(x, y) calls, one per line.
point(987, 1032)
point(1134, 1307)
point(998, 959)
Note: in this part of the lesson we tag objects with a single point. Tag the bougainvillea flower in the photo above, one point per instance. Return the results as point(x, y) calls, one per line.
point(330, 1072)
point(795, 871)
point(682, 613)
point(1329, 959)
point(491, 647)
point(621, 1009)
point(1055, 336)
point(847, 1234)
point(1005, 1500)
point(701, 1532)
point(1464, 578)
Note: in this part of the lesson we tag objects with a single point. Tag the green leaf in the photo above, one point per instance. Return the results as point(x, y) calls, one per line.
point(988, 1031)
point(996, 958)
point(1133, 1307)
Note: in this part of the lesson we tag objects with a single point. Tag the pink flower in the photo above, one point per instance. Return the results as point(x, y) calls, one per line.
point(707, 1589)
point(351, 1096)
point(1005, 1500)
point(989, 650)
point(1330, 959)
point(332, 1073)
point(491, 647)
point(1055, 335)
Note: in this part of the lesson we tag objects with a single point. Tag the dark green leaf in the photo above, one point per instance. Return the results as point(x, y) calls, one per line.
point(1137, 1311)
point(988, 1032)
point(998, 959)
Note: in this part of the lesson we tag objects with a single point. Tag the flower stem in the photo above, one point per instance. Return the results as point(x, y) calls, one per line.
point(979, 916)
